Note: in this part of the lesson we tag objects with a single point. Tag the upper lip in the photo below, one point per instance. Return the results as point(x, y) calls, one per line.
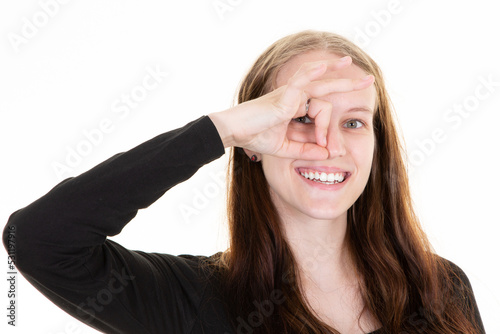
point(326, 169)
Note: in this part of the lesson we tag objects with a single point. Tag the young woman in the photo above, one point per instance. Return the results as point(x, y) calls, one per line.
point(323, 237)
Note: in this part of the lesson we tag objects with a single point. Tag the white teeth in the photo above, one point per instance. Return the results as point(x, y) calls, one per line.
point(323, 177)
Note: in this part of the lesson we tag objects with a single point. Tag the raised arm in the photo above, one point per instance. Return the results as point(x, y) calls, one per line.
point(61, 245)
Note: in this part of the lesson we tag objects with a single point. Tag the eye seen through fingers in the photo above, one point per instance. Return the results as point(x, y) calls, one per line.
point(351, 124)
point(304, 119)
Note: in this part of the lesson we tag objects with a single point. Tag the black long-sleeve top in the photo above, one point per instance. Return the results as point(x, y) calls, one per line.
point(61, 244)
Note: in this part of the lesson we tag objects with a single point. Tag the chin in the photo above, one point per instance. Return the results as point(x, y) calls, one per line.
point(325, 214)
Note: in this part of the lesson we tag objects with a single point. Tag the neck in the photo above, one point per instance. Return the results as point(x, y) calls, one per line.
point(320, 250)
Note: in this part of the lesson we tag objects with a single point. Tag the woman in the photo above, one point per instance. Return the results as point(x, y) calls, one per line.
point(323, 237)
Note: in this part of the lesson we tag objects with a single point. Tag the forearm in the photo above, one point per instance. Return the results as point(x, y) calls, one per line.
point(80, 212)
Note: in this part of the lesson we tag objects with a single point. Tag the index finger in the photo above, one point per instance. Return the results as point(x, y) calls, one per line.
point(325, 87)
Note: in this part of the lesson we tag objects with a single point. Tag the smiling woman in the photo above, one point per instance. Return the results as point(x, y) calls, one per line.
point(323, 237)
point(354, 254)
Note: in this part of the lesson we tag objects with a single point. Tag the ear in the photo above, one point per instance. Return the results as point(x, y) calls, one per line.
point(250, 153)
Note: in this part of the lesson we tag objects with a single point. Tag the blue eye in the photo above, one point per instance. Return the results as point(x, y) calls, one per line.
point(303, 119)
point(353, 121)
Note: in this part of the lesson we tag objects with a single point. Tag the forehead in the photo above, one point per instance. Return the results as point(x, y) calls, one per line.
point(365, 96)
point(293, 65)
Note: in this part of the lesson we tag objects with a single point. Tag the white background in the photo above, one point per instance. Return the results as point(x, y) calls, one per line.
point(63, 78)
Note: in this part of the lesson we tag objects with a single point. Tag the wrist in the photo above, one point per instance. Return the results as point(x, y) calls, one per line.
point(221, 122)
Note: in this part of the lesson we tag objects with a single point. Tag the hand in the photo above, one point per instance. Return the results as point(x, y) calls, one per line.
point(260, 125)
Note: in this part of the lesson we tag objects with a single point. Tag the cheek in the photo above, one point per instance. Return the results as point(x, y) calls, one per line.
point(273, 169)
point(362, 153)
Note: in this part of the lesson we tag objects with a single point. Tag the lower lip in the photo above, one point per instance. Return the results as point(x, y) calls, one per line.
point(319, 185)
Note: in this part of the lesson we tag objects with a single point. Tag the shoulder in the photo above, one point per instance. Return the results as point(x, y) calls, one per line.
point(210, 267)
point(201, 259)
point(454, 280)
point(462, 292)
point(187, 265)
point(164, 267)
point(455, 274)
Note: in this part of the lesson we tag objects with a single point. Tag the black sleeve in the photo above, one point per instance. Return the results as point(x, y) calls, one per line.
point(61, 244)
point(465, 291)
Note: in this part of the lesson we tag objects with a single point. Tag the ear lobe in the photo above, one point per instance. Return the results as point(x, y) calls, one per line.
point(252, 153)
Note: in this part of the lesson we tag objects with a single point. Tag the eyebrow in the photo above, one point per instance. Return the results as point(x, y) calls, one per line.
point(363, 109)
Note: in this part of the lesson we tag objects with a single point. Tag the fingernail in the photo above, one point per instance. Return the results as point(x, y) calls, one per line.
point(346, 58)
point(368, 77)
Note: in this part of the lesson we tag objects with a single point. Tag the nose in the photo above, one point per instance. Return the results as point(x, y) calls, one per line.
point(335, 143)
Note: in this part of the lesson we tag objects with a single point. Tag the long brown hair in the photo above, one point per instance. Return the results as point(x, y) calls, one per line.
point(406, 286)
